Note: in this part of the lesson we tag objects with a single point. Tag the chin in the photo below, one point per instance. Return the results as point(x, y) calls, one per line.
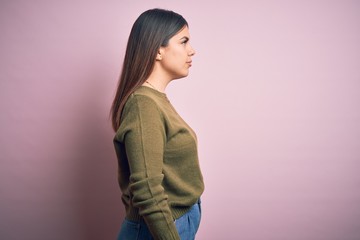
point(185, 74)
point(181, 76)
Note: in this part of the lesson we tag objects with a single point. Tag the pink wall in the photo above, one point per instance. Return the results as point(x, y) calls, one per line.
point(273, 95)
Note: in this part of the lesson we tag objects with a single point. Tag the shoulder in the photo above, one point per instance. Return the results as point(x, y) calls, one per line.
point(140, 110)
point(137, 100)
point(146, 98)
point(142, 104)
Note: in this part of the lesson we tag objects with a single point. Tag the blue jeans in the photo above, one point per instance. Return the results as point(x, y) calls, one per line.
point(187, 226)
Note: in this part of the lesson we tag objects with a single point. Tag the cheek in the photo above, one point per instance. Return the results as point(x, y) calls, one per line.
point(177, 59)
point(179, 53)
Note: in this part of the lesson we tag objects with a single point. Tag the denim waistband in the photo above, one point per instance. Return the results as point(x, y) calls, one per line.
point(198, 202)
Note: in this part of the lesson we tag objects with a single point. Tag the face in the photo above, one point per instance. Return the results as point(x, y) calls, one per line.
point(175, 58)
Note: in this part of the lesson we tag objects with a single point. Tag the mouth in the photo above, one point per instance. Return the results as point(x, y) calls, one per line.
point(189, 63)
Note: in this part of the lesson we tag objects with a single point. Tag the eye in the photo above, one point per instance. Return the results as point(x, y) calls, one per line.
point(184, 40)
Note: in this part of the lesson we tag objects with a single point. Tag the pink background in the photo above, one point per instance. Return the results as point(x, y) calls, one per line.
point(273, 95)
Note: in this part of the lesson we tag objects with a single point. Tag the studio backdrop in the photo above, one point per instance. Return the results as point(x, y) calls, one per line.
point(273, 95)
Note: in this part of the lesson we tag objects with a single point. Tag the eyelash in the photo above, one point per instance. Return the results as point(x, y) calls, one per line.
point(184, 42)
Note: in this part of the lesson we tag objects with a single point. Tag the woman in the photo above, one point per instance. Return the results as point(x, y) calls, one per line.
point(159, 173)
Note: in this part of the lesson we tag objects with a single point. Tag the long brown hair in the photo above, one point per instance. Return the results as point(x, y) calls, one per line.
point(152, 29)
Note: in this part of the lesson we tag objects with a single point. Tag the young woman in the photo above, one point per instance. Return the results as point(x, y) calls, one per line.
point(159, 173)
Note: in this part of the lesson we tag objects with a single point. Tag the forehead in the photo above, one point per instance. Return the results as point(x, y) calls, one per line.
point(184, 32)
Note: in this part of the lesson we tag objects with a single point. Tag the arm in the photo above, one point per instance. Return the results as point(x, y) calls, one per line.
point(145, 140)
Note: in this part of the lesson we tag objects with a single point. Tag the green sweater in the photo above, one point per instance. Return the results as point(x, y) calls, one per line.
point(159, 172)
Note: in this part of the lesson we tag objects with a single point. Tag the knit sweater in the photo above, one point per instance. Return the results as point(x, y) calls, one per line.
point(159, 172)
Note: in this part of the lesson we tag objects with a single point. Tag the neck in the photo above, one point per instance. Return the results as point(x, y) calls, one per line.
point(157, 80)
point(149, 84)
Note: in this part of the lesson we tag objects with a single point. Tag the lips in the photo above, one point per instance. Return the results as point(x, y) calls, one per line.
point(190, 63)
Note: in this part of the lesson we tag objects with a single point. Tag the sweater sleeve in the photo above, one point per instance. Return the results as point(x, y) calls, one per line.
point(145, 140)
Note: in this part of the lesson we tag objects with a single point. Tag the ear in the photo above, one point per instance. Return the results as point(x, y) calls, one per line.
point(160, 54)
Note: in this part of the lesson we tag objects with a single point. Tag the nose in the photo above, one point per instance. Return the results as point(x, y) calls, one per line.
point(192, 51)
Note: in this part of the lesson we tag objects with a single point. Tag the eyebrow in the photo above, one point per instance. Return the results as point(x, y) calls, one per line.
point(185, 38)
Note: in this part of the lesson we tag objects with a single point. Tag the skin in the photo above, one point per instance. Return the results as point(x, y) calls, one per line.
point(172, 62)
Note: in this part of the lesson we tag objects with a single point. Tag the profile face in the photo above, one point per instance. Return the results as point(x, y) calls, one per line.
point(176, 56)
